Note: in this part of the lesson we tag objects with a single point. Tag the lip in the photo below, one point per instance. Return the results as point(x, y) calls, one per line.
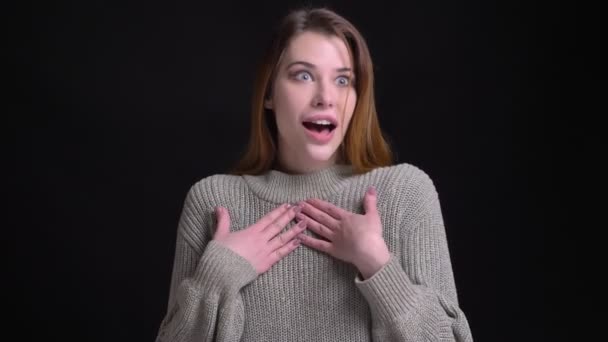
point(320, 116)
point(319, 137)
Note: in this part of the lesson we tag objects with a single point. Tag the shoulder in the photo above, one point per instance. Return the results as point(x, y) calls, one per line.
point(405, 175)
point(209, 191)
point(410, 189)
point(198, 215)
point(217, 180)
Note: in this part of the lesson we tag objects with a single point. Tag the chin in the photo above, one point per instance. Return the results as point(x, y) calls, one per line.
point(321, 153)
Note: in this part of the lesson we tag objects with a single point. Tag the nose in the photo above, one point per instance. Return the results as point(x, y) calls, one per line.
point(324, 95)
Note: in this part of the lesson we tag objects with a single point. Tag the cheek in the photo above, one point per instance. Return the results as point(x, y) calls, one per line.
point(286, 107)
point(290, 100)
point(350, 107)
point(283, 98)
point(352, 102)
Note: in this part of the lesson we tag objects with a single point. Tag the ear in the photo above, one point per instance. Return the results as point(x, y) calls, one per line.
point(268, 103)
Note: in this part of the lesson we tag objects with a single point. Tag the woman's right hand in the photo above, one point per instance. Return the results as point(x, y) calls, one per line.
point(261, 243)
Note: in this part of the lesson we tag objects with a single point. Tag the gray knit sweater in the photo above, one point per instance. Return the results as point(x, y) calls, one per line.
point(216, 295)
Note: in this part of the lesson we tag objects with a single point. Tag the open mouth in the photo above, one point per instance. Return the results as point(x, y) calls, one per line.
point(321, 128)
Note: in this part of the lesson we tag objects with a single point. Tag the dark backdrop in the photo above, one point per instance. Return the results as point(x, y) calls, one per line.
point(122, 106)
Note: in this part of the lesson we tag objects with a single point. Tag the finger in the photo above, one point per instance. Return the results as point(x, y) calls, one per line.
point(282, 252)
point(328, 208)
point(272, 216)
point(370, 200)
point(277, 225)
point(319, 215)
point(316, 227)
point(281, 239)
point(320, 245)
point(223, 222)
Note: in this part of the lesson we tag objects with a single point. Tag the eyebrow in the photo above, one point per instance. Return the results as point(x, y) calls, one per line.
point(312, 66)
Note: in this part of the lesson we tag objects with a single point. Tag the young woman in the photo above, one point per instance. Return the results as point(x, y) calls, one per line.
point(368, 259)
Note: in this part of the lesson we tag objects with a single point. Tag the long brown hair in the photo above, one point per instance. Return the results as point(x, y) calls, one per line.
point(364, 146)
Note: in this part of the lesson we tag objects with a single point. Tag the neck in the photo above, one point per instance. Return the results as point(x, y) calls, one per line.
point(282, 187)
point(301, 170)
point(289, 162)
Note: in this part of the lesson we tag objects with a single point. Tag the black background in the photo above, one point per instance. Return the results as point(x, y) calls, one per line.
point(122, 106)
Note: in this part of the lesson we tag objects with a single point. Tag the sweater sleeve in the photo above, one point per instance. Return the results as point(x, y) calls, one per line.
point(204, 299)
point(413, 298)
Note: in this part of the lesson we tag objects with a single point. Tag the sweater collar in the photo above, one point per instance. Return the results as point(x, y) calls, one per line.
point(280, 187)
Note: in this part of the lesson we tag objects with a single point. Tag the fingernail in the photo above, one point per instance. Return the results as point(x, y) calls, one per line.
point(302, 224)
point(297, 209)
point(372, 190)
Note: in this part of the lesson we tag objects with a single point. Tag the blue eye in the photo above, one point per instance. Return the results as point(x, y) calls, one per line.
point(343, 80)
point(303, 76)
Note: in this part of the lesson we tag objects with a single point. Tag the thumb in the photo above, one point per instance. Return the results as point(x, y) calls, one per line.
point(369, 202)
point(223, 222)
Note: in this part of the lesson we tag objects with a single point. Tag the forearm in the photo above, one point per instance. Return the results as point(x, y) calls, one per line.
point(194, 312)
point(373, 259)
point(404, 311)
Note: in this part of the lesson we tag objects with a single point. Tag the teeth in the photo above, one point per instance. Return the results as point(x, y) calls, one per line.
point(322, 122)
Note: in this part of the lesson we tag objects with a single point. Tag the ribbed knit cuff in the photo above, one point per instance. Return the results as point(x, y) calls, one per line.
point(389, 292)
point(222, 270)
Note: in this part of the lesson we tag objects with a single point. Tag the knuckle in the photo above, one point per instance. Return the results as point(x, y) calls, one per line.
point(288, 235)
point(317, 229)
point(275, 226)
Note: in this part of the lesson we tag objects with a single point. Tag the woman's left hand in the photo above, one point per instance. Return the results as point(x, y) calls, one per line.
point(350, 237)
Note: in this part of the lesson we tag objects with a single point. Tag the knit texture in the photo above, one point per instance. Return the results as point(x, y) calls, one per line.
point(216, 295)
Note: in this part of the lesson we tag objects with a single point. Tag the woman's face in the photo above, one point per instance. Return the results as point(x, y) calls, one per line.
point(315, 77)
